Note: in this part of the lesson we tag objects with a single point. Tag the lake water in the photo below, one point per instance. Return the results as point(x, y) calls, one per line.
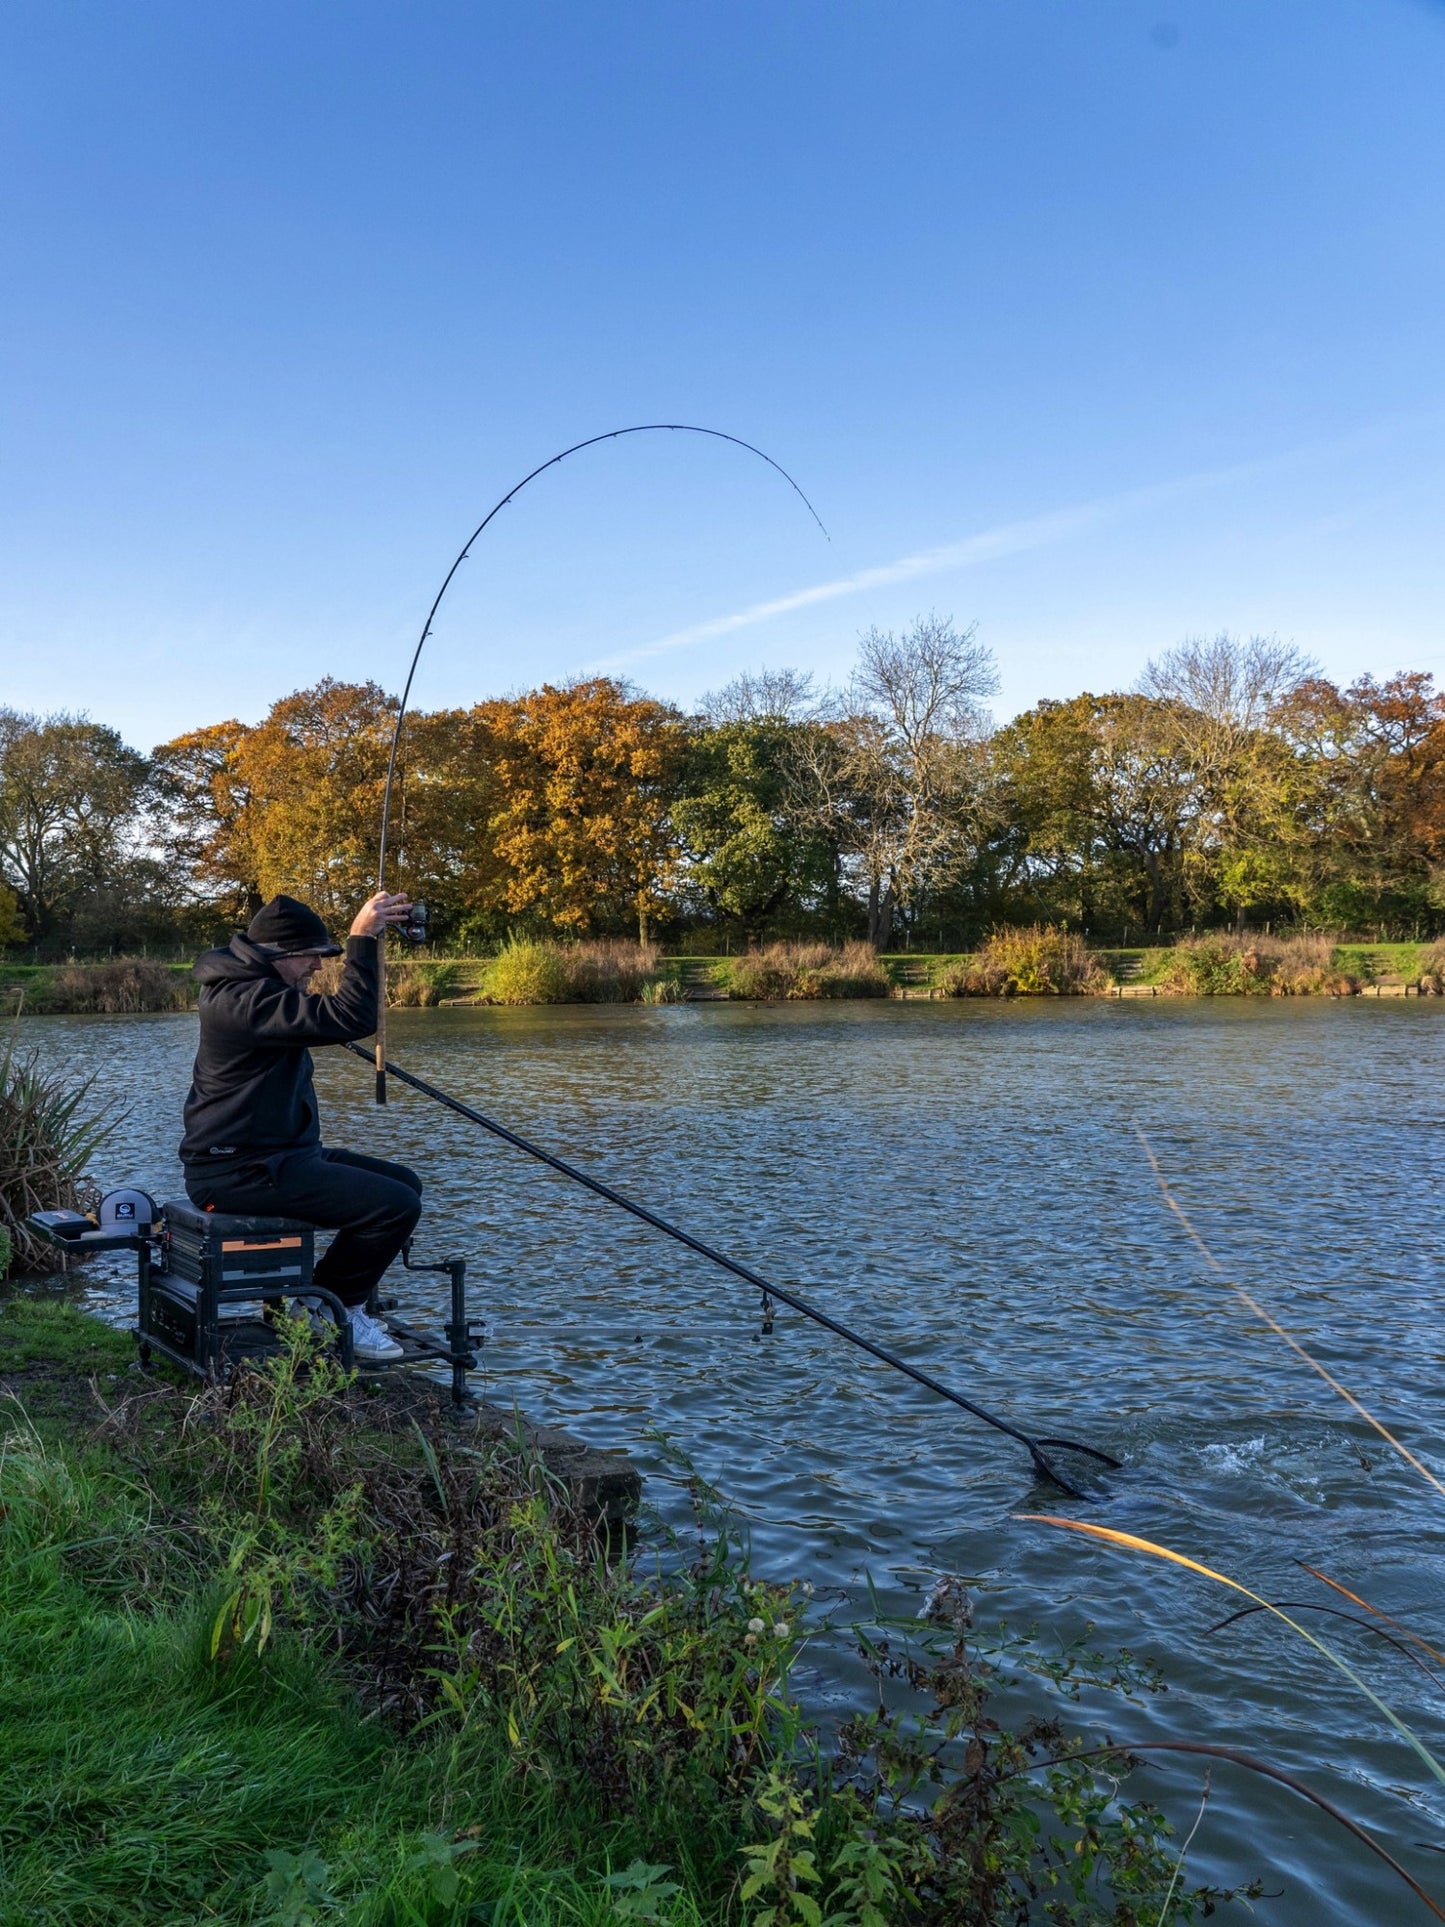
point(964, 1182)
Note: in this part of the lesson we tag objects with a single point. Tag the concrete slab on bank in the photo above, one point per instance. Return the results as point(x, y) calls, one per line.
point(599, 1479)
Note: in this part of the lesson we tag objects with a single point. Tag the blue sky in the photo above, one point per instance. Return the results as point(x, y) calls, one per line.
point(1096, 323)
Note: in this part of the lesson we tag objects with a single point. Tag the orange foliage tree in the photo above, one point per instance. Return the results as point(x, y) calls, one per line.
point(203, 817)
point(551, 806)
point(293, 803)
point(583, 779)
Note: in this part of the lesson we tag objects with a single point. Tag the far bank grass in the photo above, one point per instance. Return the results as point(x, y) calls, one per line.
point(532, 972)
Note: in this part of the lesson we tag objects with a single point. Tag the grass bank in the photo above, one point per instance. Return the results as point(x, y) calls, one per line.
point(291, 1654)
point(121, 986)
point(1220, 964)
point(1032, 962)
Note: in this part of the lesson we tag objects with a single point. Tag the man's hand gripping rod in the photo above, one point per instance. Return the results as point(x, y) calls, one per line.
point(1033, 1446)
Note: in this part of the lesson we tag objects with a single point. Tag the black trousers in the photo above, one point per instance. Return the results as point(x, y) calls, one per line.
point(370, 1204)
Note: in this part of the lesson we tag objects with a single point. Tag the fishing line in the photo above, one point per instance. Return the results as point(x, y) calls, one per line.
point(1035, 1446)
point(612, 435)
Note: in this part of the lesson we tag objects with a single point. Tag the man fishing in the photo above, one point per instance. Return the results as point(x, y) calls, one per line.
point(252, 1141)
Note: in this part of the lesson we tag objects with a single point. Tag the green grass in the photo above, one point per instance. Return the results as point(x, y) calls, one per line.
point(1381, 962)
point(517, 1729)
point(49, 1333)
point(143, 1785)
point(49, 1353)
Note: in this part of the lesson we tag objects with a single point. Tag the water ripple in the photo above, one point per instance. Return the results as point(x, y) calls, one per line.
point(965, 1183)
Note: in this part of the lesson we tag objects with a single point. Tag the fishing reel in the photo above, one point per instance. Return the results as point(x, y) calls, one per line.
point(414, 930)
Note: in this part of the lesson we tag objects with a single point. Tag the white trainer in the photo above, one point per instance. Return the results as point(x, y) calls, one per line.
point(369, 1340)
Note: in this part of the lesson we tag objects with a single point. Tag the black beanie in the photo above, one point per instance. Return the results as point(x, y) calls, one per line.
point(288, 926)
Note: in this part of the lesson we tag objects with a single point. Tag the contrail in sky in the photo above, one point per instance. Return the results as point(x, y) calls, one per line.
point(992, 545)
point(988, 545)
point(1010, 539)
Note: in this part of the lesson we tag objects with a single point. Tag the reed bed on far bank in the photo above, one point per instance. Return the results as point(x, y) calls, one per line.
point(122, 987)
point(1253, 965)
point(412, 983)
point(1431, 969)
point(607, 971)
point(1038, 961)
point(804, 971)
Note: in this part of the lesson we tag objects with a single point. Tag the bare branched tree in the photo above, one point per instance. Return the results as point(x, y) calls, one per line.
point(1234, 685)
point(895, 779)
point(759, 696)
point(1221, 698)
point(930, 686)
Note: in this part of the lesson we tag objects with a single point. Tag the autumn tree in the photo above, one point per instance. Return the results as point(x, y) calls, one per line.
point(585, 775)
point(1366, 818)
point(447, 794)
point(314, 770)
point(293, 803)
point(202, 819)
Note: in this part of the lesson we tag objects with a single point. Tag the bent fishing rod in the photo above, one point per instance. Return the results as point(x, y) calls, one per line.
point(1034, 1446)
point(592, 441)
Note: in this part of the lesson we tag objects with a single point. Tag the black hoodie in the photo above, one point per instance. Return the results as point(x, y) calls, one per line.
point(251, 1091)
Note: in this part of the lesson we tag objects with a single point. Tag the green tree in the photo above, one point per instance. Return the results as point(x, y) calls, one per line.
point(1223, 696)
point(70, 797)
point(1045, 854)
point(12, 924)
point(1101, 802)
point(202, 820)
point(1146, 799)
point(747, 856)
point(732, 820)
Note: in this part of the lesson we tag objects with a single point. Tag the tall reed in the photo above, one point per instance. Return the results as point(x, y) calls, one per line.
point(411, 982)
point(528, 970)
point(49, 1130)
point(1431, 968)
point(124, 987)
point(801, 972)
point(1254, 965)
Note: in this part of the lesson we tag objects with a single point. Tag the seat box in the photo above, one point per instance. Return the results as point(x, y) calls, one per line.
point(218, 1251)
